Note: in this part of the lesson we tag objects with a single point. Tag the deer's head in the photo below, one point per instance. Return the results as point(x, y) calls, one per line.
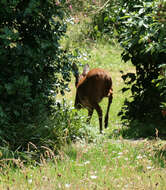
point(80, 77)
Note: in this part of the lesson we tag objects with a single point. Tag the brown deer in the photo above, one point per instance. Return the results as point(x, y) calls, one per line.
point(91, 87)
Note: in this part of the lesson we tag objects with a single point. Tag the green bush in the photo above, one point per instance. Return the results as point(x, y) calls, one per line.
point(34, 67)
point(103, 19)
point(66, 125)
point(142, 35)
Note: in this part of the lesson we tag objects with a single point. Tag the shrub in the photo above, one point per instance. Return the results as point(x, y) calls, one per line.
point(142, 35)
point(34, 68)
point(103, 19)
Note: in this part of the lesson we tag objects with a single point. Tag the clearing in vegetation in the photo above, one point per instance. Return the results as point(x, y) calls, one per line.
point(118, 159)
point(109, 161)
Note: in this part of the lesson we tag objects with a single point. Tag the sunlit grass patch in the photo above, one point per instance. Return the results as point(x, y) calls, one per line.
point(108, 164)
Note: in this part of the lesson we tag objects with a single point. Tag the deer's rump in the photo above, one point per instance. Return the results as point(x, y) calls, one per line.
point(96, 86)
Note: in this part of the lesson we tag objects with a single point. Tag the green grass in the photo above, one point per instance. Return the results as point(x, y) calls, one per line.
point(107, 164)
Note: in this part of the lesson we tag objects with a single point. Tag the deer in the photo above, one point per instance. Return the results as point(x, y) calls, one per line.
point(91, 87)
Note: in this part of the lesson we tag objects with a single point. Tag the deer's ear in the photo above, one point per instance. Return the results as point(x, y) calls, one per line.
point(75, 70)
point(85, 70)
point(75, 73)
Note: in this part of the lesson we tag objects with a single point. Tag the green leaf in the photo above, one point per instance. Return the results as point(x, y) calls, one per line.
point(106, 19)
point(9, 88)
point(96, 28)
point(16, 113)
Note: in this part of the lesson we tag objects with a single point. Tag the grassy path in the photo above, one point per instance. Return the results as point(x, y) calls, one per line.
point(106, 164)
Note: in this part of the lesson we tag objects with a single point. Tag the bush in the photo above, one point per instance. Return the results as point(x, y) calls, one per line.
point(103, 19)
point(142, 35)
point(34, 68)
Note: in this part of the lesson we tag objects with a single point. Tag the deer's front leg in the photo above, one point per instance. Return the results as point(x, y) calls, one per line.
point(90, 113)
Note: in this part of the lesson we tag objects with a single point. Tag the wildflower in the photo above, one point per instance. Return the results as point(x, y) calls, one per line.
point(93, 177)
point(149, 167)
point(67, 185)
point(70, 7)
point(57, 3)
point(139, 157)
point(29, 181)
point(87, 162)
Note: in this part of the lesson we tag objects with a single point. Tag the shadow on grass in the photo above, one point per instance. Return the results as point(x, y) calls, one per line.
point(159, 156)
point(155, 133)
point(137, 130)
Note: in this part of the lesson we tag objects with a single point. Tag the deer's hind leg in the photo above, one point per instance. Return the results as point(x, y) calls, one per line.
point(90, 113)
point(100, 115)
point(108, 108)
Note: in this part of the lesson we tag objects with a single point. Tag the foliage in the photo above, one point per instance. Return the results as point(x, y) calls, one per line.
point(142, 35)
point(76, 7)
point(161, 81)
point(61, 128)
point(96, 18)
point(34, 68)
point(99, 16)
point(66, 126)
point(103, 19)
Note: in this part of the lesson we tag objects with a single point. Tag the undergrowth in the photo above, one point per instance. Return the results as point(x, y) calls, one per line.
point(64, 127)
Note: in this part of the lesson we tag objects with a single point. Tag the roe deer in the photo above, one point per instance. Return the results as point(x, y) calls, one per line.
point(91, 87)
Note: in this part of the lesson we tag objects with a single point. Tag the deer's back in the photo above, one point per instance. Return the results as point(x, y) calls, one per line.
point(96, 85)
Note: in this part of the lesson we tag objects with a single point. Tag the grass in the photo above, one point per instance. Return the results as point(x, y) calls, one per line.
point(107, 164)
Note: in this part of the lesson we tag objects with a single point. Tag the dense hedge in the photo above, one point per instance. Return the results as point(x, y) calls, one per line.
point(34, 68)
point(141, 32)
point(139, 26)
